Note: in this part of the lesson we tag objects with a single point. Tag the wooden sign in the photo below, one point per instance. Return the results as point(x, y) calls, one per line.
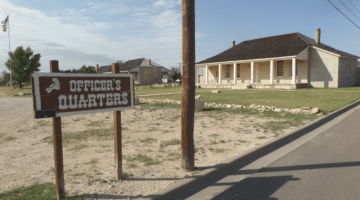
point(63, 94)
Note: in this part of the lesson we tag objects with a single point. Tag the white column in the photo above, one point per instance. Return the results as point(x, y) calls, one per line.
point(271, 71)
point(219, 73)
point(293, 70)
point(196, 74)
point(206, 74)
point(234, 73)
point(252, 73)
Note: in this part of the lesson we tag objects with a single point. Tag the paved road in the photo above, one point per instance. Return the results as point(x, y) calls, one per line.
point(321, 165)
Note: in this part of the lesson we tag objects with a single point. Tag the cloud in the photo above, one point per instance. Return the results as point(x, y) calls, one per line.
point(100, 25)
point(166, 19)
point(198, 35)
point(167, 3)
point(74, 37)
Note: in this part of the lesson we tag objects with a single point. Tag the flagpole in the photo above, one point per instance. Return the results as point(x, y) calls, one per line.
point(10, 55)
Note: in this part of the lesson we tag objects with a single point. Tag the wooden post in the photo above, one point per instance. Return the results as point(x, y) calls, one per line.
point(117, 134)
point(58, 153)
point(188, 85)
point(32, 92)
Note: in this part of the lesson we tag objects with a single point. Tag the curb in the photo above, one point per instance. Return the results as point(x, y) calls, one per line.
point(182, 186)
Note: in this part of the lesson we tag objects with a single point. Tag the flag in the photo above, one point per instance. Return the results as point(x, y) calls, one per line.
point(5, 24)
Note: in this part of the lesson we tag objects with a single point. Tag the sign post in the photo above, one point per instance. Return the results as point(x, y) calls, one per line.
point(188, 85)
point(117, 134)
point(64, 94)
point(58, 152)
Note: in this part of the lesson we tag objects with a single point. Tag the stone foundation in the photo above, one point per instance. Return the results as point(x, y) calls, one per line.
point(261, 108)
point(256, 86)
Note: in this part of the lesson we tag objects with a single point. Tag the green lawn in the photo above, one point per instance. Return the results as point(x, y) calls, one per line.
point(46, 191)
point(346, 89)
point(326, 100)
point(160, 90)
point(5, 91)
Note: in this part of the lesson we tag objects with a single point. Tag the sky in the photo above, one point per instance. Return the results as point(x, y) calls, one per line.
point(79, 32)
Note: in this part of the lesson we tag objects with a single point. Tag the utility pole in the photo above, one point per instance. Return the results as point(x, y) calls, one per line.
point(188, 85)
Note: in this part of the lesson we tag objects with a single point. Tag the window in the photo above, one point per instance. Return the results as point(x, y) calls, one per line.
point(280, 68)
point(290, 69)
point(347, 70)
point(227, 71)
point(238, 70)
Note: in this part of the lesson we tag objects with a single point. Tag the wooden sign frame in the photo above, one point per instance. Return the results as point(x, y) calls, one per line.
point(41, 112)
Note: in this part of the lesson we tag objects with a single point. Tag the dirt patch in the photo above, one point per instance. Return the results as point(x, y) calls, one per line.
point(151, 147)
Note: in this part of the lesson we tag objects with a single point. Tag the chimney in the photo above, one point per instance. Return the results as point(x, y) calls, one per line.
point(317, 39)
point(97, 67)
point(233, 43)
point(149, 62)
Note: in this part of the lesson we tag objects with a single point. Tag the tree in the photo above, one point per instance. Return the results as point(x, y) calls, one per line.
point(84, 69)
point(23, 62)
point(175, 73)
point(6, 76)
point(68, 71)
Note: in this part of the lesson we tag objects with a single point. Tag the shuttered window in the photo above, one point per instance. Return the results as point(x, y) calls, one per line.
point(238, 70)
point(228, 71)
point(280, 68)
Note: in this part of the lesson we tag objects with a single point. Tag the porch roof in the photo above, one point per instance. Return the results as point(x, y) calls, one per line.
point(271, 47)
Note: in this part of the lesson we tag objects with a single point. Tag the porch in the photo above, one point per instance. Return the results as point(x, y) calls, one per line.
point(279, 73)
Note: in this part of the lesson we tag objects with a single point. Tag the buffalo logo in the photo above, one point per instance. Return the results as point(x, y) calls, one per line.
point(54, 86)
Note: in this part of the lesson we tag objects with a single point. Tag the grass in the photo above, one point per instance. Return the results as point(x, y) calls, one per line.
point(95, 123)
point(148, 140)
point(131, 165)
point(69, 137)
point(173, 156)
point(163, 105)
point(327, 100)
point(217, 150)
point(194, 172)
point(93, 161)
point(160, 90)
point(262, 137)
point(42, 123)
point(45, 191)
point(142, 158)
point(78, 147)
point(9, 138)
point(125, 175)
point(295, 120)
point(164, 144)
point(174, 118)
point(79, 174)
point(152, 129)
point(89, 176)
point(6, 92)
point(200, 150)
